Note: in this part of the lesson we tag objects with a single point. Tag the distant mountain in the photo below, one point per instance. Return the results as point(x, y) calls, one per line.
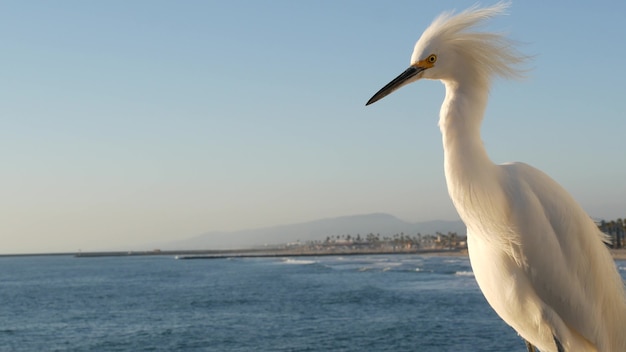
point(383, 224)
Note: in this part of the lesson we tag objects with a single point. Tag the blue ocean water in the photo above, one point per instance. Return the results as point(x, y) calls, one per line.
point(157, 303)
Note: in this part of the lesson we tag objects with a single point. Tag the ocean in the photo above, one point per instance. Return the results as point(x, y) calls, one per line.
point(157, 303)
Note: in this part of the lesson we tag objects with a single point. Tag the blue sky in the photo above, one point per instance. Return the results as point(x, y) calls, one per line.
point(130, 122)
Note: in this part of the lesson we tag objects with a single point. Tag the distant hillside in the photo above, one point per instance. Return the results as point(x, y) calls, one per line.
point(383, 224)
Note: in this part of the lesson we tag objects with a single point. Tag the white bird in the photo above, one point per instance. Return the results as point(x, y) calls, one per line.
point(539, 259)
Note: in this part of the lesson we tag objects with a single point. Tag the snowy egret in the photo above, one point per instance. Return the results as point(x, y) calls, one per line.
point(538, 258)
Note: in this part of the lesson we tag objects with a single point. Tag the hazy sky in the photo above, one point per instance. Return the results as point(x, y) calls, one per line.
point(129, 122)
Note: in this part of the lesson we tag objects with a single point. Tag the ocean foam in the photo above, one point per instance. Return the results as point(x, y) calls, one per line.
point(298, 261)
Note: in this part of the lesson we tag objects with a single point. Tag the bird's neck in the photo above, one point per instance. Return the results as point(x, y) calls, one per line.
point(470, 174)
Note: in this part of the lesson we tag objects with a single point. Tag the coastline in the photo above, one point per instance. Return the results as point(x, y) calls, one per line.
point(617, 254)
point(273, 252)
point(434, 252)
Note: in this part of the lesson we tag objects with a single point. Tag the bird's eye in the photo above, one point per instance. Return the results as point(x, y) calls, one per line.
point(432, 58)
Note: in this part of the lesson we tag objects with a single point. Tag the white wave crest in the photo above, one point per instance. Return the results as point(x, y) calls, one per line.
point(298, 261)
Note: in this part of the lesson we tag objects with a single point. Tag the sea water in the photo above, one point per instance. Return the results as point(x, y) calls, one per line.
point(158, 303)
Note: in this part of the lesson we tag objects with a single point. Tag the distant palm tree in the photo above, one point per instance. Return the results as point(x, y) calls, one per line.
point(616, 230)
point(619, 232)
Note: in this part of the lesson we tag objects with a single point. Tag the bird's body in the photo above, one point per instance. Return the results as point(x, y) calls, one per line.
point(538, 258)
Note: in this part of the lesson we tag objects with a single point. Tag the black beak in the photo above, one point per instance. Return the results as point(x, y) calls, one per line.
point(403, 79)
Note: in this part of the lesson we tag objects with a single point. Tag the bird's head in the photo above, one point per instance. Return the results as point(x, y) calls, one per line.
point(451, 49)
